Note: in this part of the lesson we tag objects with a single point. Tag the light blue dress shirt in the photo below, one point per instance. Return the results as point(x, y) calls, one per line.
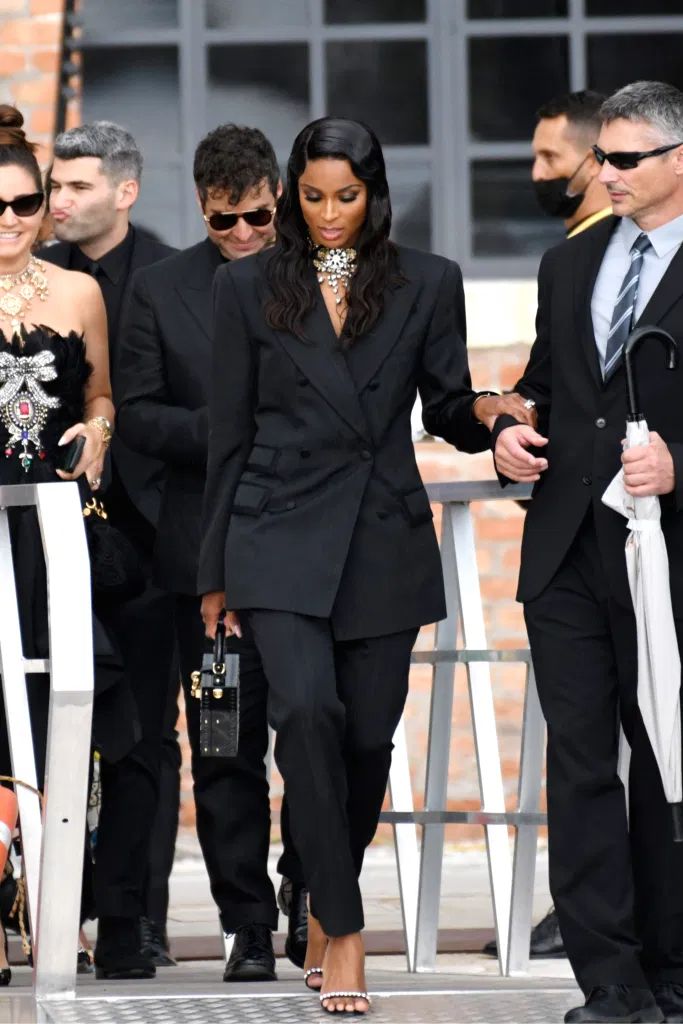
point(616, 261)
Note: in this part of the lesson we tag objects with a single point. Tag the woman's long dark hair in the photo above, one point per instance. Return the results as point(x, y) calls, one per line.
point(293, 287)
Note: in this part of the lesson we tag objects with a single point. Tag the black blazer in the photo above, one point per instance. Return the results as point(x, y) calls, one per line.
point(142, 477)
point(584, 418)
point(162, 370)
point(313, 501)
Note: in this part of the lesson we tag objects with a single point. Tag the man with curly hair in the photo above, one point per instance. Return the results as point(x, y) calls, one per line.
point(162, 373)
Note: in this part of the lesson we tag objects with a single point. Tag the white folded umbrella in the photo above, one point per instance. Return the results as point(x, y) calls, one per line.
point(659, 663)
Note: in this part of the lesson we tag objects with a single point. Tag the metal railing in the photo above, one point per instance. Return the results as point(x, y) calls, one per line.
point(511, 875)
point(52, 842)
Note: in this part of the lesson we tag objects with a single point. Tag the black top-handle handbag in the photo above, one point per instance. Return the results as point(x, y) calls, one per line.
point(217, 686)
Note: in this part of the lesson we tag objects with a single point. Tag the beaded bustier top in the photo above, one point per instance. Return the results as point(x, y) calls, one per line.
point(42, 385)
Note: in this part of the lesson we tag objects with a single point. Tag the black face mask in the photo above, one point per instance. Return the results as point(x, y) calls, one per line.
point(553, 199)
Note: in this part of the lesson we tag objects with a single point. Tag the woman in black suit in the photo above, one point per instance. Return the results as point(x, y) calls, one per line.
point(317, 528)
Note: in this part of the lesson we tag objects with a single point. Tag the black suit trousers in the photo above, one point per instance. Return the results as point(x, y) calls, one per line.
point(618, 890)
point(232, 794)
point(335, 706)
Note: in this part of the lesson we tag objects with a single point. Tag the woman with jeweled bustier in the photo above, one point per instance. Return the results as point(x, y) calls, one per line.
point(54, 388)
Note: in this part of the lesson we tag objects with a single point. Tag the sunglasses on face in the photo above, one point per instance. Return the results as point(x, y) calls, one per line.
point(226, 221)
point(627, 161)
point(23, 206)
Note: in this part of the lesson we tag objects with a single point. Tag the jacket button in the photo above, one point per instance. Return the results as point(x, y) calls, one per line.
point(373, 385)
point(304, 453)
point(600, 423)
point(382, 514)
point(291, 505)
point(366, 454)
point(586, 480)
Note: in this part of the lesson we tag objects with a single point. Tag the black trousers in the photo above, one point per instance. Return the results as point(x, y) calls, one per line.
point(130, 787)
point(232, 794)
point(335, 706)
point(618, 891)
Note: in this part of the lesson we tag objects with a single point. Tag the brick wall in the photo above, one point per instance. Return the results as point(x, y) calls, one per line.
point(30, 36)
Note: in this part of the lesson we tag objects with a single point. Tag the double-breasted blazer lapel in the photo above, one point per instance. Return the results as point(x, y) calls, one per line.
point(332, 376)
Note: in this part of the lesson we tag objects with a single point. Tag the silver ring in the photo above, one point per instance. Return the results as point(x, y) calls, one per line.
point(529, 403)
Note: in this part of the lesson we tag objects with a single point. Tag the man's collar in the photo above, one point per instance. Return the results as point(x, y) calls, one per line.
point(114, 264)
point(664, 239)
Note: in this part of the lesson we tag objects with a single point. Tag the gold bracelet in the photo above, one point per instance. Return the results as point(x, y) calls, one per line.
point(104, 426)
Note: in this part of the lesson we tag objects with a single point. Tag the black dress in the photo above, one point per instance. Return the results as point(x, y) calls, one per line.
point(42, 387)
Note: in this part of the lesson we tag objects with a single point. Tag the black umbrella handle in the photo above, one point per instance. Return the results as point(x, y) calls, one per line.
point(632, 342)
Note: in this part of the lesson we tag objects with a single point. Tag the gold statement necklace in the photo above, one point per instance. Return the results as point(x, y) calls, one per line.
point(17, 292)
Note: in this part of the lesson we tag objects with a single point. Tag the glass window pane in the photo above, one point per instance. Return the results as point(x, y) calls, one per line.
point(410, 189)
point(626, 7)
point(516, 8)
point(506, 219)
point(264, 85)
point(509, 78)
point(102, 17)
point(138, 87)
point(355, 12)
point(161, 196)
point(383, 84)
point(616, 61)
point(236, 13)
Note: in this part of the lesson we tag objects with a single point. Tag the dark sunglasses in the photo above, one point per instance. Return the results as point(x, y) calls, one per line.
point(225, 221)
point(627, 161)
point(23, 206)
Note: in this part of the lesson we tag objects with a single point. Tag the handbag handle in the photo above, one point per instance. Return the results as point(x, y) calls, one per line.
point(219, 646)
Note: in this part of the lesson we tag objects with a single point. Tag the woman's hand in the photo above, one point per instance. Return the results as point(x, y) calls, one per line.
point(489, 408)
point(213, 604)
point(91, 461)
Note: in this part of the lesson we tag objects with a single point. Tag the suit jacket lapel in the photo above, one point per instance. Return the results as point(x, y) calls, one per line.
point(667, 292)
point(321, 360)
point(596, 239)
point(369, 352)
point(195, 291)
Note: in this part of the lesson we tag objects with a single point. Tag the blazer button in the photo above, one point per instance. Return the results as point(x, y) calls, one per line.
point(291, 505)
point(366, 454)
point(600, 423)
point(382, 514)
point(373, 385)
point(304, 453)
point(586, 480)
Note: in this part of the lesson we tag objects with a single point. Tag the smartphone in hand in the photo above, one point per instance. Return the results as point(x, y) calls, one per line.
point(72, 454)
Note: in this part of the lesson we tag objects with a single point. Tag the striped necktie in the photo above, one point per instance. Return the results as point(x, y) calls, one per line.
point(623, 315)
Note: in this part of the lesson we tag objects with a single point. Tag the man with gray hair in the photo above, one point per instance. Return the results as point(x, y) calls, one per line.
point(94, 183)
point(617, 883)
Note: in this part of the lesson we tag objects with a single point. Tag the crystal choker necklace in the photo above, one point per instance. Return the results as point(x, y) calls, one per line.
point(335, 266)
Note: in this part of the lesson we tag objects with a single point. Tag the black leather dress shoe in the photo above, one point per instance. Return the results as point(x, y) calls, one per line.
point(117, 952)
point(612, 1004)
point(252, 957)
point(292, 899)
point(154, 943)
point(669, 998)
point(546, 941)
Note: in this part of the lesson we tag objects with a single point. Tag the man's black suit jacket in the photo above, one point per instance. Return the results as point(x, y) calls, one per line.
point(314, 503)
point(584, 418)
point(142, 477)
point(162, 371)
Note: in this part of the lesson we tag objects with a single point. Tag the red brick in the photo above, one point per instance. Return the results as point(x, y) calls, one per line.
point(12, 62)
point(498, 529)
point(30, 32)
point(38, 91)
point(46, 60)
point(497, 588)
point(41, 122)
point(47, 7)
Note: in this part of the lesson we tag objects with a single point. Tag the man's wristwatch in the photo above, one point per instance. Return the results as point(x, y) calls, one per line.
point(104, 426)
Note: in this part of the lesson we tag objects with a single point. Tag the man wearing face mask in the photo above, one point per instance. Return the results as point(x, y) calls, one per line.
point(565, 172)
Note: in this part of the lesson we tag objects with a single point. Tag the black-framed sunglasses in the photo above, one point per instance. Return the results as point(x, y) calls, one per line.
point(225, 221)
point(627, 161)
point(23, 206)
